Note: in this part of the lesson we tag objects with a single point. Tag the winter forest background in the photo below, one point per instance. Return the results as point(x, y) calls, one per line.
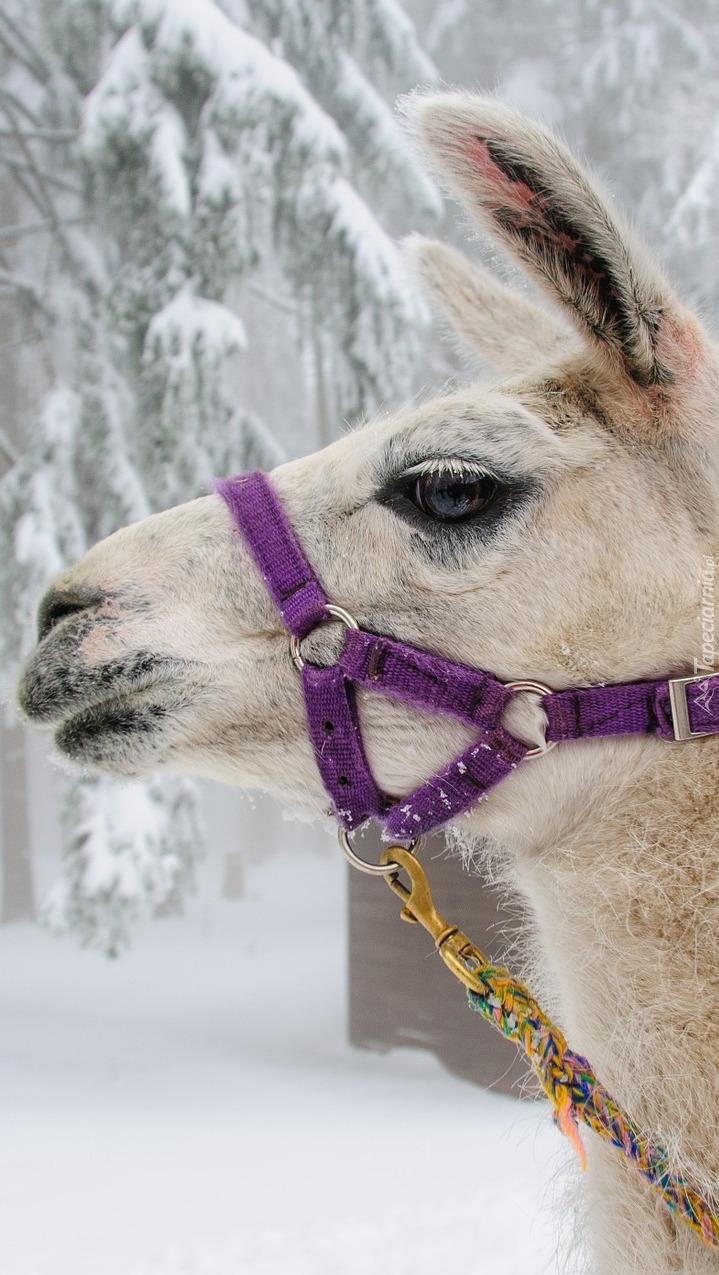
point(200, 203)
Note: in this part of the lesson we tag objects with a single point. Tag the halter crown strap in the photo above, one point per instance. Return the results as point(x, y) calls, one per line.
point(673, 708)
point(286, 571)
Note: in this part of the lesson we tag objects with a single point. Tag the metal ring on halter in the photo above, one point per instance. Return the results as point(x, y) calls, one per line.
point(539, 689)
point(372, 869)
point(334, 612)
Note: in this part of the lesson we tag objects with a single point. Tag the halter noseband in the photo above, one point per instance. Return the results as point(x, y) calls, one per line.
point(674, 708)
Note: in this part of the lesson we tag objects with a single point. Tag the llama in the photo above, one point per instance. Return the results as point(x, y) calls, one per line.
point(553, 527)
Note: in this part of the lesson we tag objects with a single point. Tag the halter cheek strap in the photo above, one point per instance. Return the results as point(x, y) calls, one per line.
point(675, 708)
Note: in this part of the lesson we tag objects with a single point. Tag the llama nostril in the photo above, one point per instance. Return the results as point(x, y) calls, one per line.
point(57, 604)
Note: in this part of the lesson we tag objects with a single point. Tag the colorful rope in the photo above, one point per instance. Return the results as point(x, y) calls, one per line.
point(566, 1077)
point(577, 1095)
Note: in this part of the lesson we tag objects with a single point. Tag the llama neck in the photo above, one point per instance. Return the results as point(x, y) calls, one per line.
point(624, 886)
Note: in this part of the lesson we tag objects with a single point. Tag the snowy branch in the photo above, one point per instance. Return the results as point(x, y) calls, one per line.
point(37, 189)
point(12, 101)
point(29, 339)
point(38, 227)
point(10, 450)
point(24, 54)
point(41, 134)
point(279, 303)
point(37, 199)
point(16, 282)
point(50, 179)
point(38, 195)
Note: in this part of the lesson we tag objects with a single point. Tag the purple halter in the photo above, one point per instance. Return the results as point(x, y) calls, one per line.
point(674, 708)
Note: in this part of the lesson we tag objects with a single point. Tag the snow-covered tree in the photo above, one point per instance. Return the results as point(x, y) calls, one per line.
point(644, 100)
point(120, 864)
point(189, 156)
point(633, 84)
point(342, 49)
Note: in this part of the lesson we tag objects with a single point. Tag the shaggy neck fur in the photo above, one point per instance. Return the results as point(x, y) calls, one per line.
point(623, 884)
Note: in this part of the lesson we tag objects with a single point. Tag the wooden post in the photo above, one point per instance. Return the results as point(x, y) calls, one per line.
point(233, 875)
point(401, 993)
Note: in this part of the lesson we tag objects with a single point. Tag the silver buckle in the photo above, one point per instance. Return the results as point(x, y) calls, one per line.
point(680, 708)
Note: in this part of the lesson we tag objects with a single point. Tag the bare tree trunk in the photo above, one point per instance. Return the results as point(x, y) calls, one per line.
point(18, 893)
point(325, 425)
point(9, 331)
point(233, 875)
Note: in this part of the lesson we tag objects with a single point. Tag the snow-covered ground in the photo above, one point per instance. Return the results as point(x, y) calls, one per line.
point(194, 1109)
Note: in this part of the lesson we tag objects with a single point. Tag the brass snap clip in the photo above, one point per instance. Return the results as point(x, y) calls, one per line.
point(457, 951)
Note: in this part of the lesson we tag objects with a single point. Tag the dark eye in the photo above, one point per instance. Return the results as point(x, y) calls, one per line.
point(451, 498)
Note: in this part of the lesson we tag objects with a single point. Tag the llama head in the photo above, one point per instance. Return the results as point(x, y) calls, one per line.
point(553, 527)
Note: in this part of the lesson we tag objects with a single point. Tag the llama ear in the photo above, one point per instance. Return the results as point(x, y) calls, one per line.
point(511, 333)
point(531, 195)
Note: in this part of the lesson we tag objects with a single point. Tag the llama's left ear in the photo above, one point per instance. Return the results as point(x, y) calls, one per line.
point(529, 193)
point(507, 330)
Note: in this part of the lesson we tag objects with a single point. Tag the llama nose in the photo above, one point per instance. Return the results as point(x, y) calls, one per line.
point(57, 604)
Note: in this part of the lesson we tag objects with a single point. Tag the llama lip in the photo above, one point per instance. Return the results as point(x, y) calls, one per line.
point(101, 735)
point(57, 685)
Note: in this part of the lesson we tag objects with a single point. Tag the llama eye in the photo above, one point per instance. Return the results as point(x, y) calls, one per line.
point(451, 498)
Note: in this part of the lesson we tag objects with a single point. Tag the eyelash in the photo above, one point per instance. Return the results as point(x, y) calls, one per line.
point(448, 544)
point(397, 493)
point(445, 467)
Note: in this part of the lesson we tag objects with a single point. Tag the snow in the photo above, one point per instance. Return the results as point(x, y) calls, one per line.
point(380, 142)
point(167, 149)
point(188, 323)
point(34, 537)
point(130, 850)
point(218, 177)
point(125, 102)
point(45, 523)
point(194, 1108)
point(264, 173)
point(122, 833)
point(239, 63)
point(399, 33)
point(372, 249)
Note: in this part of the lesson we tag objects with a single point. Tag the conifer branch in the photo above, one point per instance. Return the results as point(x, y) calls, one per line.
point(45, 203)
point(17, 283)
point(29, 56)
point(20, 229)
point(280, 303)
point(29, 339)
point(42, 134)
point(50, 178)
point(12, 101)
point(9, 449)
point(26, 62)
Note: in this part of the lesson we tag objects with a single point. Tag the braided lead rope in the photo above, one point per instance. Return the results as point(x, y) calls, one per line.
point(567, 1079)
point(577, 1095)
